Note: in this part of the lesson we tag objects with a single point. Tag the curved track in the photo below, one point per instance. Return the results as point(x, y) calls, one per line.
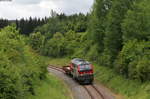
point(93, 91)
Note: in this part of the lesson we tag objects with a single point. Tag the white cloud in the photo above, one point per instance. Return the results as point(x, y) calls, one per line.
point(23, 2)
point(41, 8)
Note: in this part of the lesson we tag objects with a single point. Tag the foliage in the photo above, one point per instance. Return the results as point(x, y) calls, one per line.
point(50, 89)
point(62, 23)
point(27, 26)
point(37, 41)
point(53, 26)
point(55, 46)
point(133, 60)
point(96, 31)
point(137, 22)
point(115, 34)
point(114, 26)
point(113, 37)
point(130, 89)
point(72, 41)
point(108, 38)
point(3, 23)
point(20, 70)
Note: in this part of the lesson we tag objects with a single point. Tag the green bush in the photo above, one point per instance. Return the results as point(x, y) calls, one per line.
point(56, 46)
point(137, 22)
point(93, 53)
point(133, 60)
point(20, 69)
point(37, 41)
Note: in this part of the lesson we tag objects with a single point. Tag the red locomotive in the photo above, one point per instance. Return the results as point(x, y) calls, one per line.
point(80, 70)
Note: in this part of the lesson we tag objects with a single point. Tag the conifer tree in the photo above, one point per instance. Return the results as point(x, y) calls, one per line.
point(113, 37)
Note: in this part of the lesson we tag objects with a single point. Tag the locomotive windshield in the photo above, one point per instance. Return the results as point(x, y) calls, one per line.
point(85, 67)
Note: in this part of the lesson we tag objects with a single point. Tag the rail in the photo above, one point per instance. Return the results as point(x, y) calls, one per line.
point(89, 91)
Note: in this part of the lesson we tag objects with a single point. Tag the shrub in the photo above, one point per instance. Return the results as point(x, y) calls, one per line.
point(55, 46)
point(20, 69)
point(133, 60)
point(37, 41)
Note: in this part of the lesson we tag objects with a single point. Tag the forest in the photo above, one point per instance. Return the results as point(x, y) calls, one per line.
point(115, 34)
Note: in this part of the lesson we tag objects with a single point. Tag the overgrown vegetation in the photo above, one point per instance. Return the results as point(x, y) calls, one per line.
point(23, 73)
point(130, 89)
point(50, 89)
point(20, 69)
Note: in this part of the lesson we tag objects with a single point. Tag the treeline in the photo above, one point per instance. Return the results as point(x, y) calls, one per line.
point(63, 23)
point(20, 69)
point(115, 34)
point(27, 26)
point(3, 23)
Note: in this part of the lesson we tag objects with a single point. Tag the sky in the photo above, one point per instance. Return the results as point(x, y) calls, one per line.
point(16, 9)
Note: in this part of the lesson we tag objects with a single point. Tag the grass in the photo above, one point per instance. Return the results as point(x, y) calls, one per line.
point(130, 89)
point(59, 61)
point(51, 88)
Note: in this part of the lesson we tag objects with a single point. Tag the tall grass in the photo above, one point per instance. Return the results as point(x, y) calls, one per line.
point(51, 88)
point(131, 89)
point(59, 61)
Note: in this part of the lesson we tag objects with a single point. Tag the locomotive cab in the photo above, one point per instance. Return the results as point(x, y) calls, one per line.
point(82, 71)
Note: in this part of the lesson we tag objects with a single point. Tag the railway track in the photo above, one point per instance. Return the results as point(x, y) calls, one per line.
point(92, 90)
point(56, 68)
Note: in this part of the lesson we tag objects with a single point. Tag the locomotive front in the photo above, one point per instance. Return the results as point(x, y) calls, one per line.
point(82, 70)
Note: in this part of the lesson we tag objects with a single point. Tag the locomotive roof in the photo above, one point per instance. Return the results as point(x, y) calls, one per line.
point(79, 61)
